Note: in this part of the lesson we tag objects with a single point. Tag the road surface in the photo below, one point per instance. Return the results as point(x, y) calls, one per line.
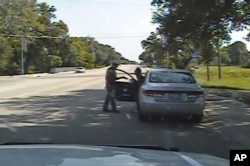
point(67, 108)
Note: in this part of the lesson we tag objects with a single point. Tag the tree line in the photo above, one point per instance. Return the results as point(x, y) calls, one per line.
point(185, 27)
point(47, 42)
point(235, 54)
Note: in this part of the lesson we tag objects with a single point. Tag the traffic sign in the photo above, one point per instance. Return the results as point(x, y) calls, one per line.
point(195, 55)
point(152, 55)
point(165, 41)
point(24, 44)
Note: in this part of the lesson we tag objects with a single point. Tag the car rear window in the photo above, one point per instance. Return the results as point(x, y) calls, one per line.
point(171, 77)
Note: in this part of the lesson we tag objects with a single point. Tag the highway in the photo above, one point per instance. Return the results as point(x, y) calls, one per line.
point(67, 108)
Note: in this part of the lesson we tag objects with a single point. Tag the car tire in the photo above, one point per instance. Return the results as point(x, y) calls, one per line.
point(197, 118)
point(142, 117)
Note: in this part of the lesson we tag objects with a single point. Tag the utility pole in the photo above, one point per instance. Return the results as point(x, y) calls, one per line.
point(164, 44)
point(153, 58)
point(24, 48)
point(219, 59)
point(91, 41)
point(168, 59)
point(93, 52)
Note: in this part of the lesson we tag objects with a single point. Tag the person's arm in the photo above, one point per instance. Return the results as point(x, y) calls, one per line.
point(112, 77)
point(118, 78)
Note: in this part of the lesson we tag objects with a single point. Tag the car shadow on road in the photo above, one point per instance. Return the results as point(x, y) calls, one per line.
point(53, 118)
point(77, 118)
point(77, 110)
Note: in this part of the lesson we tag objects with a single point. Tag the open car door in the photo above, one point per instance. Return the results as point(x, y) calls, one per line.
point(125, 90)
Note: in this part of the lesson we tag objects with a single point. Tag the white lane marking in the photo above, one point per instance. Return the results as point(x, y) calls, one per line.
point(128, 116)
point(12, 129)
point(189, 160)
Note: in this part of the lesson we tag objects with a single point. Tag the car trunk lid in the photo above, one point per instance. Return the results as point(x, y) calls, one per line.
point(170, 92)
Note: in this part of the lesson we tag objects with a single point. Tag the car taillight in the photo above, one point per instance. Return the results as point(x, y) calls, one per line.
point(195, 94)
point(153, 93)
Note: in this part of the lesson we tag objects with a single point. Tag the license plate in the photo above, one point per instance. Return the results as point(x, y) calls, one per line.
point(175, 96)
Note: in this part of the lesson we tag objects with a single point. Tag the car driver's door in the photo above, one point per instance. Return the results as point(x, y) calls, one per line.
point(125, 90)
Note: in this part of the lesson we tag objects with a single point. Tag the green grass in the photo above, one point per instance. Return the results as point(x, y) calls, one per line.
point(232, 77)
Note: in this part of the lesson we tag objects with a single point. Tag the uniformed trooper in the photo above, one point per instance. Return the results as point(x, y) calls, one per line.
point(110, 87)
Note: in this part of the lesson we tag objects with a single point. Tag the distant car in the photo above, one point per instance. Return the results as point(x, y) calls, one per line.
point(167, 92)
point(80, 70)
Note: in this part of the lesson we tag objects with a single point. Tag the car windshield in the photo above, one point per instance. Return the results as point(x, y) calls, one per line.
point(60, 83)
point(171, 77)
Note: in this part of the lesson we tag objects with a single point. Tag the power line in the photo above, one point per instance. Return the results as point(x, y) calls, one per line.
point(118, 34)
point(30, 36)
point(94, 2)
point(61, 37)
point(119, 37)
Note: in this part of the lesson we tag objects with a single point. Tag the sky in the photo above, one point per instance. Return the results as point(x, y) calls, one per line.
point(122, 24)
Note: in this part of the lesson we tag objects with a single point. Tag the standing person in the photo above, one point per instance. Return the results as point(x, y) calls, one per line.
point(139, 76)
point(140, 80)
point(110, 87)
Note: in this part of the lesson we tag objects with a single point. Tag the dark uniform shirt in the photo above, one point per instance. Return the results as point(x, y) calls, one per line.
point(110, 78)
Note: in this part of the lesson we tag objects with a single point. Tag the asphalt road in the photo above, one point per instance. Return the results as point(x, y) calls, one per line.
point(67, 108)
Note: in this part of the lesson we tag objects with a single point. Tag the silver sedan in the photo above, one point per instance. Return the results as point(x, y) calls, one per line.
point(171, 92)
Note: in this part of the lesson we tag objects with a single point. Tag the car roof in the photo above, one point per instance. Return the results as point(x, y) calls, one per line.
point(170, 70)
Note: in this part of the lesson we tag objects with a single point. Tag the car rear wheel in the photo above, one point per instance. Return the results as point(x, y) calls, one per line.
point(142, 117)
point(197, 118)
